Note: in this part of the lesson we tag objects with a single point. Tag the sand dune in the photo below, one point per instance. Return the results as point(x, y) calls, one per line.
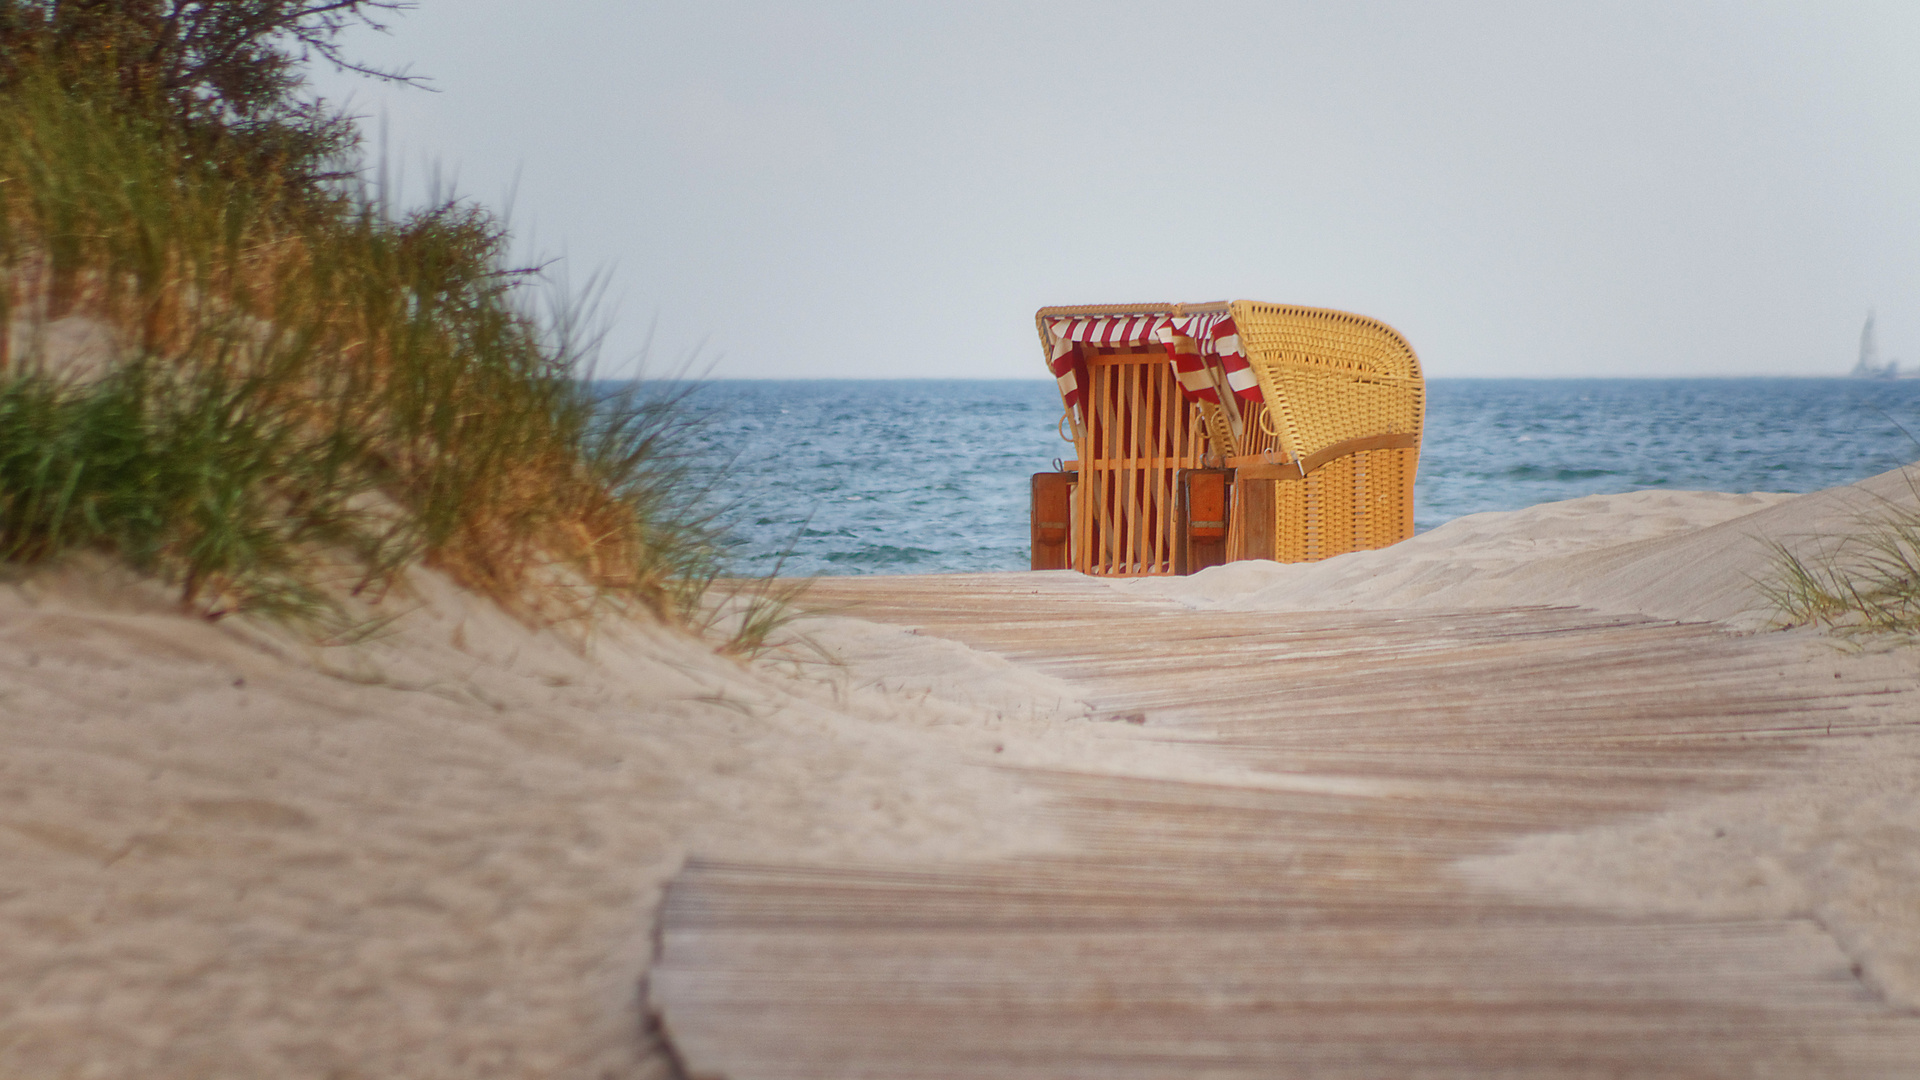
point(226, 851)
point(230, 855)
point(1669, 554)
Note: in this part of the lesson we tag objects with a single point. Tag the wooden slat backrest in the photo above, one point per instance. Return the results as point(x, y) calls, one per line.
point(1139, 431)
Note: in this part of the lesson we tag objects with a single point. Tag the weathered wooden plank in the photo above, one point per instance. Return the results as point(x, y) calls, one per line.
point(1229, 930)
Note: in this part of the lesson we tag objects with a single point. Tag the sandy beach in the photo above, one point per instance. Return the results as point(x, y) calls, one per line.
point(228, 850)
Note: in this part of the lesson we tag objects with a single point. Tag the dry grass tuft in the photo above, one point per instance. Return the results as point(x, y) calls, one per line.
point(1864, 583)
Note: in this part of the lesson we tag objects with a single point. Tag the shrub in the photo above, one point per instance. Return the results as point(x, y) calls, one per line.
point(228, 74)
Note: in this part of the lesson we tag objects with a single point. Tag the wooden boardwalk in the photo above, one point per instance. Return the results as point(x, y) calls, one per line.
point(1231, 931)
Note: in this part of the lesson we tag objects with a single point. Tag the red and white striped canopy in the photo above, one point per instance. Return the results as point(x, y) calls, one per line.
point(1204, 350)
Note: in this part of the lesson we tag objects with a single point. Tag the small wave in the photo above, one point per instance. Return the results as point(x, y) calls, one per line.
point(881, 555)
point(1558, 475)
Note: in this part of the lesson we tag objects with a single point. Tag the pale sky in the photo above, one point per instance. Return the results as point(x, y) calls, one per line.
point(883, 190)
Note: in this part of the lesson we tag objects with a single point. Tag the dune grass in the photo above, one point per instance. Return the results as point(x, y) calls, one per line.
point(306, 394)
point(1866, 582)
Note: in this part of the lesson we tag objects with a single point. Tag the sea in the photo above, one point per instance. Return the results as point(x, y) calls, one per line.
point(824, 477)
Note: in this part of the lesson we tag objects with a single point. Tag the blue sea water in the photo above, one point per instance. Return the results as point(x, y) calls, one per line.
point(926, 476)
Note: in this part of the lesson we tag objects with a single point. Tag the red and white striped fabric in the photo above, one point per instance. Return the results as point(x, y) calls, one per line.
point(1194, 343)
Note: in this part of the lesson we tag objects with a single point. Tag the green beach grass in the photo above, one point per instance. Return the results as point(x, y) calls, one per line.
point(306, 395)
point(1865, 582)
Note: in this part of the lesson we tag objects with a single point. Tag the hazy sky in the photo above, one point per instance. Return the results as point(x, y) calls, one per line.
point(891, 189)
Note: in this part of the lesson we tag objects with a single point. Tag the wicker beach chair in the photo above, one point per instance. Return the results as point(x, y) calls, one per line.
point(1205, 433)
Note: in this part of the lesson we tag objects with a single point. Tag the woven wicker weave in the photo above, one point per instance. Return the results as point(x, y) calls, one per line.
point(1329, 376)
point(1323, 465)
